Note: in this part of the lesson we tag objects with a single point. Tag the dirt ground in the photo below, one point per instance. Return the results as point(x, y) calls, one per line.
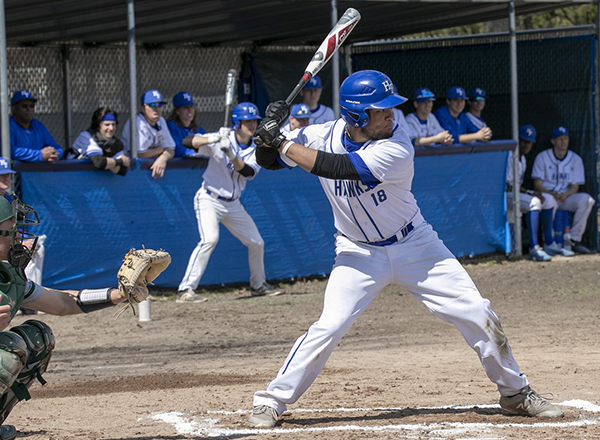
point(399, 373)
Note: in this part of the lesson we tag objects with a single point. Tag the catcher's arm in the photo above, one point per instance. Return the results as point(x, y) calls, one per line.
point(72, 302)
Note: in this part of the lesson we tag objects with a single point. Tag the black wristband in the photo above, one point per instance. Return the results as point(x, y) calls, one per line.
point(122, 170)
point(118, 162)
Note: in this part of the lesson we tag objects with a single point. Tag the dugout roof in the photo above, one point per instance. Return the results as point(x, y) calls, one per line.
point(237, 22)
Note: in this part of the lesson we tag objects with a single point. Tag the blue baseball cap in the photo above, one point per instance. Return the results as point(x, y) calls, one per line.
point(477, 94)
point(423, 94)
point(456, 93)
point(21, 95)
point(527, 133)
point(183, 99)
point(300, 111)
point(5, 167)
point(313, 83)
point(152, 96)
point(561, 130)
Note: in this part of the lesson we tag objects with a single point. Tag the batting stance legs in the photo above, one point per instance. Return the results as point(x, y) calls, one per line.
point(419, 263)
point(211, 211)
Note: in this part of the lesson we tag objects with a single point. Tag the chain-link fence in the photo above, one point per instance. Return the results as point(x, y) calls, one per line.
point(77, 80)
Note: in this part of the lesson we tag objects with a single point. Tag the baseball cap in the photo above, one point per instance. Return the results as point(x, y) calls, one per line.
point(300, 111)
point(423, 94)
point(5, 167)
point(561, 130)
point(152, 96)
point(21, 95)
point(477, 94)
point(527, 133)
point(313, 83)
point(456, 93)
point(183, 99)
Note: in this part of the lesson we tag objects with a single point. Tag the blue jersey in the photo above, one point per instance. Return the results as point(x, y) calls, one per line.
point(455, 126)
point(26, 143)
point(179, 133)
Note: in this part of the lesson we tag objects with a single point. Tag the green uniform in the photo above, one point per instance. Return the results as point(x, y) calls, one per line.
point(13, 287)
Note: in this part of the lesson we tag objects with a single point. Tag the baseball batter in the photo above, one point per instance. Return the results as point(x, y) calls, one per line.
point(558, 173)
point(25, 350)
point(365, 166)
point(231, 165)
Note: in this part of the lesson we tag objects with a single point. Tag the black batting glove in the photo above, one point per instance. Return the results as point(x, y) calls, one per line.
point(278, 110)
point(267, 134)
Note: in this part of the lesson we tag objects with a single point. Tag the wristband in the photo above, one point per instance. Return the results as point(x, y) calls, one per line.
point(118, 162)
point(286, 148)
point(90, 300)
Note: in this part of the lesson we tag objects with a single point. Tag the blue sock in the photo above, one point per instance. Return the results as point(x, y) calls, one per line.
point(533, 222)
point(547, 215)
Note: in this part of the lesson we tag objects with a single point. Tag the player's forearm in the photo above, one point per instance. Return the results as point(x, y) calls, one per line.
point(466, 138)
point(168, 154)
point(572, 189)
point(304, 157)
point(538, 185)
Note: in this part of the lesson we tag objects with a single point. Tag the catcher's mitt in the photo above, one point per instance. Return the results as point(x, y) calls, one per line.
point(140, 267)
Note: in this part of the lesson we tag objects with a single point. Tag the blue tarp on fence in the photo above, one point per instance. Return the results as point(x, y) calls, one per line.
point(93, 218)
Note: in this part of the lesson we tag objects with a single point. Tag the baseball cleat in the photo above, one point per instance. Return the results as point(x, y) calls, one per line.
point(189, 296)
point(529, 403)
point(265, 290)
point(537, 254)
point(580, 249)
point(263, 416)
point(8, 432)
point(555, 249)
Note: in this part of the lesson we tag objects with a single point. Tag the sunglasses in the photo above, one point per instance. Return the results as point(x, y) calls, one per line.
point(155, 104)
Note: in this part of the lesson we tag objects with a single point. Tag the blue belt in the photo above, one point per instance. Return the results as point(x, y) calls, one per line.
point(219, 197)
point(394, 238)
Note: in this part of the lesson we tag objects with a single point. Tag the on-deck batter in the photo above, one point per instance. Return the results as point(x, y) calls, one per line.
point(230, 166)
point(365, 165)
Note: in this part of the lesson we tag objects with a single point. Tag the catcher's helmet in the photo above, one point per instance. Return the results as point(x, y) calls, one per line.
point(242, 112)
point(366, 89)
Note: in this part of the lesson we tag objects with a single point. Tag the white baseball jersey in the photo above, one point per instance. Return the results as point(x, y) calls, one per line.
point(557, 174)
point(477, 121)
point(85, 145)
point(149, 137)
point(220, 177)
point(427, 128)
point(322, 114)
point(381, 204)
point(509, 169)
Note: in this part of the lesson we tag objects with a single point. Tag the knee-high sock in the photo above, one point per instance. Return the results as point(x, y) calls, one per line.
point(533, 223)
point(547, 218)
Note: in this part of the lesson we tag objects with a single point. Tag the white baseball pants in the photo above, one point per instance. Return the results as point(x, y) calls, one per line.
point(530, 202)
point(421, 264)
point(579, 203)
point(211, 211)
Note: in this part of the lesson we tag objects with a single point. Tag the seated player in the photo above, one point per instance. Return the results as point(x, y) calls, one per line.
point(311, 95)
point(425, 126)
point(100, 145)
point(476, 106)
point(558, 173)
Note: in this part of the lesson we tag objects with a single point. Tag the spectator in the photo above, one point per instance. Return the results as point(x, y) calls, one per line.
point(476, 105)
point(232, 163)
point(182, 122)
point(311, 94)
point(5, 175)
point(425, 126)
point(532, 203)
point(452, 118)
point(558, 173)
point(30, 140)
point(154, 138)
point(99, 144)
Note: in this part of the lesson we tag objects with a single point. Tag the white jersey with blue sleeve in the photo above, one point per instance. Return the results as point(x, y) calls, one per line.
point(149, 137)
point(381, 203)
point(476, 120)
point(220, 177)
point(557, 174)
point(427, 128)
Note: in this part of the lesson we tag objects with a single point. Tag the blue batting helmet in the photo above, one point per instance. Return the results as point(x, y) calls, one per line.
point(366, 89)
point(243, 112)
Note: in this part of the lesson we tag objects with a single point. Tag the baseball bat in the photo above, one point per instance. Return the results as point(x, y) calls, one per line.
point(328, 47)
point(229, 95)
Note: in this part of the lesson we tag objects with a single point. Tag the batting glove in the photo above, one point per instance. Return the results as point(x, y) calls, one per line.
point(268, 134)
point(278, 110)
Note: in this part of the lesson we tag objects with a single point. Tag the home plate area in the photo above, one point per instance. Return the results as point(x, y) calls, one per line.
point(486, 422)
